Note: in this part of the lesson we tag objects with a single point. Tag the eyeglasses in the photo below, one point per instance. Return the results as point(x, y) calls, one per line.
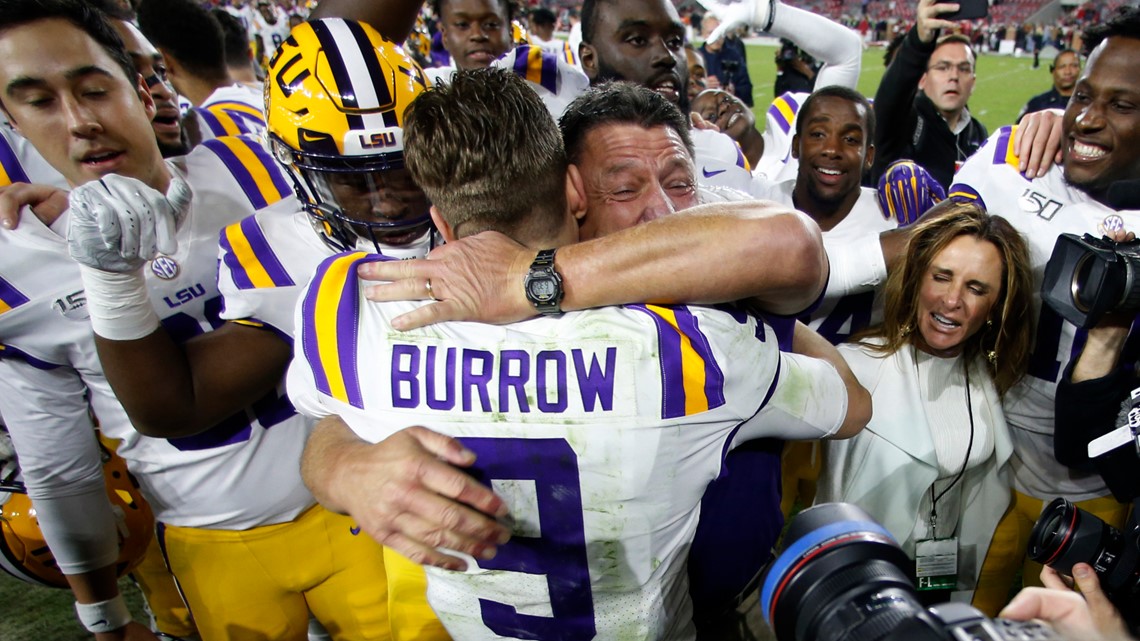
point(964, 68)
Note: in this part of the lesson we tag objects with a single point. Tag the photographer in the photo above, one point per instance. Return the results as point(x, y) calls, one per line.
point(1090, 397)
point(1088, 618)
point(726, 62)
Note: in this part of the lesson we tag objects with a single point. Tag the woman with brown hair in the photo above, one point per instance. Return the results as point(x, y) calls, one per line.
point(931, 464)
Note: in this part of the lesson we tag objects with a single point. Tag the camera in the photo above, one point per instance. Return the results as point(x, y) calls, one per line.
point(842, 577)
point(1065, 535)
point(1087, 277)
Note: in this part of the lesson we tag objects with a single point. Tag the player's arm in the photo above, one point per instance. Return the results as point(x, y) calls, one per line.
point(839, 49)
point(394, 19)
point(713, 253)
point(406, 491)
point(808, 342)
point(168, 390)
point(47, 418)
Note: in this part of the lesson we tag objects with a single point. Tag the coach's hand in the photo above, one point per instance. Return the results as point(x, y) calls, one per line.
point(118, 223)
point(478, 278)
point(406, 492)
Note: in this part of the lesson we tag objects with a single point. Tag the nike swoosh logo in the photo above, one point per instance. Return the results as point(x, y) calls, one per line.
point(100, 623)
point(354, 530)
point(710, 174)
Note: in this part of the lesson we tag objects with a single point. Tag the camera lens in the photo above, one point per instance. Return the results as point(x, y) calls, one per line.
point(841, 577)
point(1065, 535)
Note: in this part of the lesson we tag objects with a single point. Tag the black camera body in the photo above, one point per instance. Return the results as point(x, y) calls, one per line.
point(1086, 277)
point(1065, 535)
point(842, 577)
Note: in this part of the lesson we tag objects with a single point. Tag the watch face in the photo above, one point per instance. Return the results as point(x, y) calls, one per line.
point(542, 289)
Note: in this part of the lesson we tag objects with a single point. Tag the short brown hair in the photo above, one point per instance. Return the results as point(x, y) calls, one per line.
point(488, 154)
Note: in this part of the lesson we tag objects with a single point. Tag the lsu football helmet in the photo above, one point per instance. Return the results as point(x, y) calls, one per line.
point(23, 551)
point(335, 96)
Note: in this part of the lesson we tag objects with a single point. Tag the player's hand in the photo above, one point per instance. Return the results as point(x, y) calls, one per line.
point(906, 191)
point(927, 20)
point(699, 122)
point(119, 223)
point(1091, 618)
point(130, 632)
point(1037, 142)
point(406, 493)
point(746, 13)
point(47, 202)
point(478, 278)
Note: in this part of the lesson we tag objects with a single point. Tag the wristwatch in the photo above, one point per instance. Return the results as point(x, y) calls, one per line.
point(543, 285)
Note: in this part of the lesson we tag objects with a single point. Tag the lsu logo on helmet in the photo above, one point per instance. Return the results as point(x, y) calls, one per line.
point(335, 97)
point(23, 552)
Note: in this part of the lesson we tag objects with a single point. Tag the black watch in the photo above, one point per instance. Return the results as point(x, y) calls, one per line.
point(543, 285)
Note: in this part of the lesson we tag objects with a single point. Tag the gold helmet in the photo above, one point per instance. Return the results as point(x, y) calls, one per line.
point(335, 95)
point(519, 34)
point(23, 551)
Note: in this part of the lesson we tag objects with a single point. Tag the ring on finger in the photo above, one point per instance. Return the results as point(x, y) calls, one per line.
point(431, 294)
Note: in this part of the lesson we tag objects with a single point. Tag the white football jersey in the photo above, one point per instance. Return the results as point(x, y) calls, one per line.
point(21, 163)
point(267, 258)
point(1040, 209)
point(838, 316)
point(231, 111)
point(776, 164)
point(601, 429)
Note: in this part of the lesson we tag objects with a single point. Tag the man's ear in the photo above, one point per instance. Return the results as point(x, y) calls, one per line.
point(922, 83)
point(442, 226)
point(144, 95)
point(588, 58)
point(870, 159)
point(576, 193)
point(796, 146)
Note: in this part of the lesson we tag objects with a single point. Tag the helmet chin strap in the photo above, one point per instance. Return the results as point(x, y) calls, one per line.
point(418, 248)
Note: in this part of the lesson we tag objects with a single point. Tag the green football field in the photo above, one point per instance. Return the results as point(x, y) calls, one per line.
point(1003, 86)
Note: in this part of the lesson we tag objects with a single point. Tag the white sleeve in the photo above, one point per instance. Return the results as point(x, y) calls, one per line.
point(300, 384)
point(808, 401)
point(61, 464)
point(839, 48)
point(857, 265)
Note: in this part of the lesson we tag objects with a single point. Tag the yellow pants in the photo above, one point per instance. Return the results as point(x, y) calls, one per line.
point(171, 616)
point(260, 584)
point(1008, 548)
point(412, 617)
point(799, 471)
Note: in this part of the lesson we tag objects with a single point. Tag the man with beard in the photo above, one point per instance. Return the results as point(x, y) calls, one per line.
point(1100, 147)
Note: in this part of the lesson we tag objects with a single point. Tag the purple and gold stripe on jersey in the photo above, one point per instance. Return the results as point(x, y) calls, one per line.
point(256, 172)
point(963, 193)
point(741, 160)
point(691, 379)
point(232, 118)
point(784, 109)
point(568, 53)
point(7, 351)
point(538, 66)
point(10, 297)
point(1005, 153)
point(11, 171)
point(328, 330)
point(250, 258)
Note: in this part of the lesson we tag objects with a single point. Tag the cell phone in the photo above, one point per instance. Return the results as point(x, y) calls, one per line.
point(967, 10)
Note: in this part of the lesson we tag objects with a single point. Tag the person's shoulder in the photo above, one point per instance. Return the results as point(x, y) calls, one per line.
point(236, 163)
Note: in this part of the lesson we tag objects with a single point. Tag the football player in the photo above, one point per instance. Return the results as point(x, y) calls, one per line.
point(602, 443)
point(1101, 129)
point(191, 41)
point(222, 495)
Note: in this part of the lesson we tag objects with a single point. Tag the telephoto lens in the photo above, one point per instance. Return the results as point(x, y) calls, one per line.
point(1065, 535)
point(842, 577)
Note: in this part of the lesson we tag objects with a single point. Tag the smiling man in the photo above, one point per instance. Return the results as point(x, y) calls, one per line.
point(1100, 147)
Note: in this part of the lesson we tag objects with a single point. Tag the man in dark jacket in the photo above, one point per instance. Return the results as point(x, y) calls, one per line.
point(923, 94)
point(1065, 69)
